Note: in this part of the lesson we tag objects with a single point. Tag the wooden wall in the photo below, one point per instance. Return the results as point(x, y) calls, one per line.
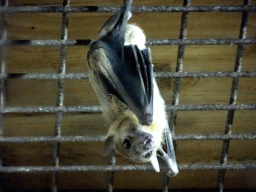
point(25, 59)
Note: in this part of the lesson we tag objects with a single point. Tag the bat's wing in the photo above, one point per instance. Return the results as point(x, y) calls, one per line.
point(168, 159)
point(171, 153)
point(137, 79)
point(126, 71)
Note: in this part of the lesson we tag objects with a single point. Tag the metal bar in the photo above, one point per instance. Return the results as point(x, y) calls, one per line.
point(179, 66)
point(102, 9)
point(200, 41)
point(53, 109)
point(165, 183)
point(177, 82)
point(167, 75)
point(60, 96)
point(49, 139)
point(211, 107)
point(110, 178)
point(233, 98)
point(86, 42)
point(106, 168)
point(163, 75)
point(97, 109)
point(101, 138)
point(215, 137)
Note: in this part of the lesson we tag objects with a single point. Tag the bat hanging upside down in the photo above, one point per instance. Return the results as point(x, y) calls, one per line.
point(121, 73)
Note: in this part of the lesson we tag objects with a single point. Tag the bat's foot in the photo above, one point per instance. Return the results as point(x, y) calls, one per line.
point(168, 165)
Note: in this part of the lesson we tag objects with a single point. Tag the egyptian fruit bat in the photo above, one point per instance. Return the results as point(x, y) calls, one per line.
point(121, 73)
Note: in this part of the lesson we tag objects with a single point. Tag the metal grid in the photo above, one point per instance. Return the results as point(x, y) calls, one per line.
point(59, 109)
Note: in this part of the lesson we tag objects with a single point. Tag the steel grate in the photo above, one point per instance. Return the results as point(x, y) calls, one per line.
point(178, 76)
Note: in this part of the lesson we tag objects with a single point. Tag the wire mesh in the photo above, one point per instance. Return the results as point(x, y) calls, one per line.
point(148, 42)
point(61, 76)
point(107, 168)
point(74, 9)
point(233, 97)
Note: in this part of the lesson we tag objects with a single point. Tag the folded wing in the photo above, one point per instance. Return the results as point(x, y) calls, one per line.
point(127, 74)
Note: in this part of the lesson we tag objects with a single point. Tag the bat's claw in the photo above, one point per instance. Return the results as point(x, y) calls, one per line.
point(167, 164)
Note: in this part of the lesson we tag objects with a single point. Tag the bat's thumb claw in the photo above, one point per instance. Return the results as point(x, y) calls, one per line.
point(129, 15)
point(170, 166)
point(173, 169)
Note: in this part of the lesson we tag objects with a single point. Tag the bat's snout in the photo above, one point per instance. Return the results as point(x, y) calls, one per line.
point(146, 142)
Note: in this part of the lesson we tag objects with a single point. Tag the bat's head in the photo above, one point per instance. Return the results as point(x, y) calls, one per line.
point(130, 138)
point(136, 144)
point(133, 140)
point(140, 144)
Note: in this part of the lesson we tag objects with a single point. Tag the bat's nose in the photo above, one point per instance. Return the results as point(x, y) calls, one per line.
point(147, 140)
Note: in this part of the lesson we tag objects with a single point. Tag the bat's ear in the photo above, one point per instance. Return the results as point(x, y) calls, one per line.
point(117, 103)
point(109, 145)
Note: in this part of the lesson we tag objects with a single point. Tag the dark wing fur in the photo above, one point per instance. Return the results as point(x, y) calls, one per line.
point(130, 75)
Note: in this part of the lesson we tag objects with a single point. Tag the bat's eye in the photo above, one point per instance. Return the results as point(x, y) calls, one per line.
point(127, 144)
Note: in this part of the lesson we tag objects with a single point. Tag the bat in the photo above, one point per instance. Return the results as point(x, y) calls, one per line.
point(121, 73)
